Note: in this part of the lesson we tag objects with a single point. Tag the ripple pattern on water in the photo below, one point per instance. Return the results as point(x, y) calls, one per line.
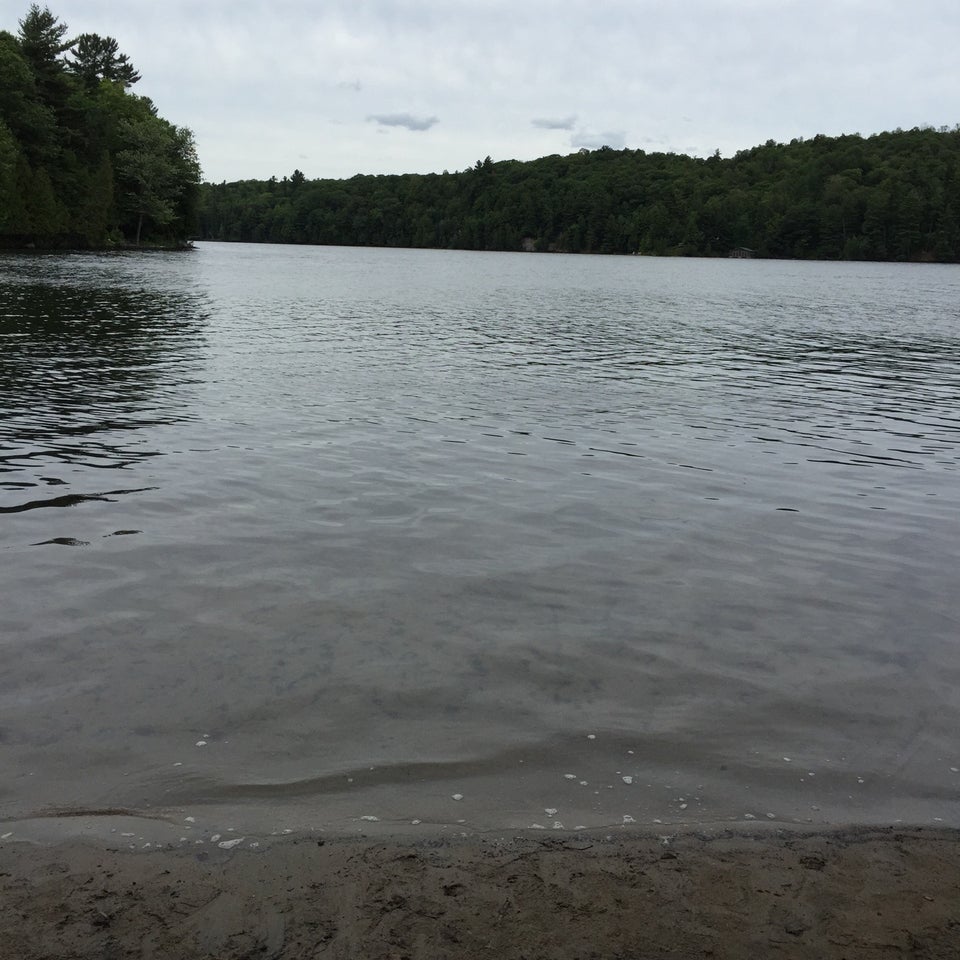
point(378, 527)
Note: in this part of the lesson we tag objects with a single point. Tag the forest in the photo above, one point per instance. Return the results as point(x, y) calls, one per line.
point(892, 196)
point(84, 162)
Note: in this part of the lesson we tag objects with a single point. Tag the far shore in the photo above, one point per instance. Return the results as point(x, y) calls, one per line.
point(846, 893)
point(178, 246)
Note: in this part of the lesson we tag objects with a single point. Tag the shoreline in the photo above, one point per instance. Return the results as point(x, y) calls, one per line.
point(720, 892)
point(179, 246)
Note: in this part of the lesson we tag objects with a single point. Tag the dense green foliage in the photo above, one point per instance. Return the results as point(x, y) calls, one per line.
point(83, 161)
point(894, 196)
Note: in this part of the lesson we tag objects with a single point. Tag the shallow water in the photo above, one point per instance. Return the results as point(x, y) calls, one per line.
point(290, 537)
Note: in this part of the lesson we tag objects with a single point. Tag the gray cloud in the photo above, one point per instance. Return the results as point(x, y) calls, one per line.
point(563, 123)
point(592, 141)
point(406, 120)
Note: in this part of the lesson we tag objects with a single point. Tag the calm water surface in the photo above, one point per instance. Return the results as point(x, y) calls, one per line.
point(293, 537)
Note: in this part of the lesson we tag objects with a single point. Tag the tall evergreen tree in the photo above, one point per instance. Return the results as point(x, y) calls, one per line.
point(97, 58)
point(42, 37)
point(43, 42)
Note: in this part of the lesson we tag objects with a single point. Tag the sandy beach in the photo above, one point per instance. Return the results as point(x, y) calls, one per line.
point(870, 893)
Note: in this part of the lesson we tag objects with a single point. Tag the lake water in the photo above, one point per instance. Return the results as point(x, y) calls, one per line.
point(294, 538)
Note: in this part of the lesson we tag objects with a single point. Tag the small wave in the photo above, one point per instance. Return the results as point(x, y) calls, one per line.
point(71, 500)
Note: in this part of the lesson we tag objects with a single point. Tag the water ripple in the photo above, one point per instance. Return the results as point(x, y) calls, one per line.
point(494, 526)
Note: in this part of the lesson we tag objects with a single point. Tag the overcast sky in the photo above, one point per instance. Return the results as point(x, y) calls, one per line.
point(339, 87)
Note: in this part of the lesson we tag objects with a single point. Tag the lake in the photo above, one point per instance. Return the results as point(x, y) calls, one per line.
point(317, 538)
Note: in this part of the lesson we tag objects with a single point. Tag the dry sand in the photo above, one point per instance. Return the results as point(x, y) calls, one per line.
point(847, 894)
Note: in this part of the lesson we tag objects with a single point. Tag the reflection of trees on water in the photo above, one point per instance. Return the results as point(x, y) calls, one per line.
point(85, 369)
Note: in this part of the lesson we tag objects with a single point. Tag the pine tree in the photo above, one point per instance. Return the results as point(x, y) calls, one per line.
point(97, 58)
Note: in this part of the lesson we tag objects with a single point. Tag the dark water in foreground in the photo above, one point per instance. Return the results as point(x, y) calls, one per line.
point(291, 537)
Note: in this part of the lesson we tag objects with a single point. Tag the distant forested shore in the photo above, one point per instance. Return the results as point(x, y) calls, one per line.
point(85, 163)
point(892, 196)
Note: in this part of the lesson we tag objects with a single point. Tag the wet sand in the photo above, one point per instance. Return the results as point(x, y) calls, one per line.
point(871, 893)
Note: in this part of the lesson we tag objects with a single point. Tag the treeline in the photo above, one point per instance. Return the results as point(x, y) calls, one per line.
point(83, 161)
point(893, 196)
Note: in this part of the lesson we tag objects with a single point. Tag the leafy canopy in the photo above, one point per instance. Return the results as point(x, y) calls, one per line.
point(83, 161)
